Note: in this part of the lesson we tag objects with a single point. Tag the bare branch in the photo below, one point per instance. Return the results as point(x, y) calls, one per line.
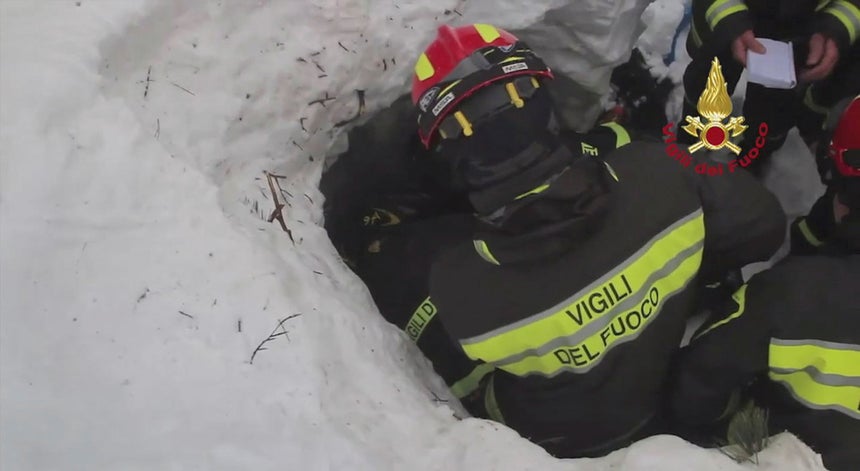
point(275, 334)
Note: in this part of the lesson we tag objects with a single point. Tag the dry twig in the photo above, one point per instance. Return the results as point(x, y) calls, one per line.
point(275, 334)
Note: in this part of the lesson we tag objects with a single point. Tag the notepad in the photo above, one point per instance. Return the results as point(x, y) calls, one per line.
point(774, 68)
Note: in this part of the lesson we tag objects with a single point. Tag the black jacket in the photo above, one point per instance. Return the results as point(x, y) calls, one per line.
point(580, 298)
point(795, 328)
point(389, 215)
point(718, 22)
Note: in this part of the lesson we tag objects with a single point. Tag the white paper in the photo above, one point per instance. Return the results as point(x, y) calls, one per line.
point(774, 68)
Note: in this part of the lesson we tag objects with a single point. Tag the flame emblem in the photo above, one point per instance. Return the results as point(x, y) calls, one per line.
point(715, 105)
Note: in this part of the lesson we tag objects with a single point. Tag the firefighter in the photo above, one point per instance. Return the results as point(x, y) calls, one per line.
point(391, 207)
point(824, 33)
point(790, 339)
point(580, 272)
point(838, 160)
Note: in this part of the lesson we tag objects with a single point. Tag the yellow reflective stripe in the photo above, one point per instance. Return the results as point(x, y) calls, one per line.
point(721, 9)
point(623, 327)
point(488, 33)
point(512, 59)
point(423, 68)
point(449, 87)
point(666, 263)
point(821, 4)
point(820, 396)
point(697, 40)
point(810, 103)
point(622, 138)
point(714, 6)
point(420, 319)
point(819, 374)
point(534, 191)
point(484, 251)
point(611, 171)
point(490, 403)
point(740, 298)
point(470, 383)
point(848, 15)
point(725, 13)
point(808, 235)
point(826, 357)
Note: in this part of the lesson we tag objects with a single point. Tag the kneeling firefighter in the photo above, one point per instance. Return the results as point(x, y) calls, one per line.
point(581, 270)
point(790, 338)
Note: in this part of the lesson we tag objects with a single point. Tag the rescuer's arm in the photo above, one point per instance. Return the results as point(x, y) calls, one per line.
point(744, 222)
point(728, 352)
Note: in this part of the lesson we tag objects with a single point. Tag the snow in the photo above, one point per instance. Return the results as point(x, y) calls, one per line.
point(138, 273)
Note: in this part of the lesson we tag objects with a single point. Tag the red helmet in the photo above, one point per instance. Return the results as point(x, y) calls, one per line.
point(845, 144)
point(459, 62)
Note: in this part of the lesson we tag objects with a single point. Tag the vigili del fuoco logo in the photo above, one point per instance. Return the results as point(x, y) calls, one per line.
point(715, 106)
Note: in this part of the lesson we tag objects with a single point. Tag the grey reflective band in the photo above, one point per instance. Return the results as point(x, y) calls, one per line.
point(849, 347)
point(848, 15)
point(828, 379)
point(612, 273)
point(721, 9)
point(607, 318)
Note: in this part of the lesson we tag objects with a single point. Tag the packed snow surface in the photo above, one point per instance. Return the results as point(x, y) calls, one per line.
point(139, 275)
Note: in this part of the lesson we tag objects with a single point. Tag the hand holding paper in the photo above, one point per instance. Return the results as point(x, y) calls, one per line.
point(774, 68)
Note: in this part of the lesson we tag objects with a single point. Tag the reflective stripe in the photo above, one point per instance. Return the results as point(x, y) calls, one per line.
point(810, 103)
point(807, 233)
point(512, 59)
point(622, 138)
point(611, 171)
point(848, 15)
point(424, 68)
point(819, 374)
point(484, 251)
point(831, 357)
point(449, 87)
point(721, 9)
point(697, 40)
point(534, 191)
point(821, 4)
point(420, 319)
point(488, 33)
point(827, 379)
point(490, 403)
point(601, 314)
point(470, 383)
point(740, 298)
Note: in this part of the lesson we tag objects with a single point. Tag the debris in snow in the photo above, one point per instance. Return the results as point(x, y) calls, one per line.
point(275, 334)
point(277, 213)
point(148, 81)
point(322, 101)
point(182, 88)
point(358, 113)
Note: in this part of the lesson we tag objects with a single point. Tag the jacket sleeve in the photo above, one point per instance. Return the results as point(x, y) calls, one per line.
point(840, 20)
point(744, 222)
point(727, 353)
point(597, 142)
point(725, 19)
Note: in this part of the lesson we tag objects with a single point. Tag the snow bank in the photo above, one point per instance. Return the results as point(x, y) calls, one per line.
point(139, 275)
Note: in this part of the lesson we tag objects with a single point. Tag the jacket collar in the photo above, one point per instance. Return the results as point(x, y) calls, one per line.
point(552, 221)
